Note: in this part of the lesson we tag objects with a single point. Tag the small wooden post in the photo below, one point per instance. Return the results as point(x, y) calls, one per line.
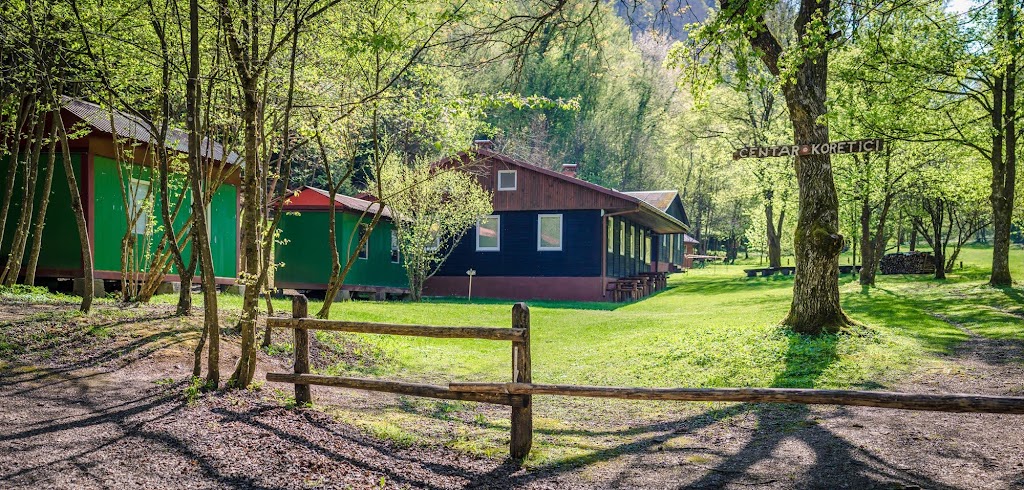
point(300, 308)
point(522, 417)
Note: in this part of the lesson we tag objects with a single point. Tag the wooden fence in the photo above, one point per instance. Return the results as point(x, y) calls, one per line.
point(518, 394)
point(519, 335)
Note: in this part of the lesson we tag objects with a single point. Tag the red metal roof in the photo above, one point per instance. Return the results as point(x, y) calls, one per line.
point(312, 198)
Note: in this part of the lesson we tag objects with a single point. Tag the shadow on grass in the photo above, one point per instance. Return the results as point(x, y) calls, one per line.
point(807, 358)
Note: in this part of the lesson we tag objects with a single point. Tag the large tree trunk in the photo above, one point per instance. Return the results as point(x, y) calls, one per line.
point(817, 242)
point(1004, 148)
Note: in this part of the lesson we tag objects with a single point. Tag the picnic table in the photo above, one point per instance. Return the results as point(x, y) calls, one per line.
point(700, 261)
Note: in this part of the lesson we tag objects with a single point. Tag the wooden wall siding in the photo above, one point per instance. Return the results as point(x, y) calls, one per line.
point(536, 191)
point(676, 211)
point(307, 256)
point(580, 255)
point(619, 262)
point(669, 248)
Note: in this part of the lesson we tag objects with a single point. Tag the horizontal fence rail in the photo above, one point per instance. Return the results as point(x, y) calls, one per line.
point(519, 335)
point(485, 333)
point(400, 387)
point(906, 401)
point(519, 393)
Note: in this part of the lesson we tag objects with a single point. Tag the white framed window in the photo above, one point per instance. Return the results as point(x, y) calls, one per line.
point(622, 239)
point(488, 233)
point(395, 257)
point(138, 206)
point(364, 251)
point(633, 242)
point(549, 232)
point(507, 180)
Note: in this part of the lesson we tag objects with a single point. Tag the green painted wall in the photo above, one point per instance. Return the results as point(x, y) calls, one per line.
point(111, 225)
point(306, 253)
point(61, 245)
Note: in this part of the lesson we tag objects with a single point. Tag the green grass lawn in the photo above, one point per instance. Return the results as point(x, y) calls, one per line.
point(713, 327)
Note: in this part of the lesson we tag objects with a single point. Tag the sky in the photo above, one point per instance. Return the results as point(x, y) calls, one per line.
point(959, 6)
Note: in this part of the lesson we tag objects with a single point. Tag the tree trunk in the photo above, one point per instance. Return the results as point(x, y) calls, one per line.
point(44, 203)
point(200, 238)
point(28, 197)
point(335, 282)
point(28, 105)
point(867, 249)
point(774, 238)
point(246, 365)
point(817, 243)
point(1004, 161)
point(79, 211)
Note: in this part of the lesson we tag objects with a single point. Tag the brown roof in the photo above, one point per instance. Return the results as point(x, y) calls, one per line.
point(689, 239)
point(659, 199)
point(656, 218)
point(129, 126)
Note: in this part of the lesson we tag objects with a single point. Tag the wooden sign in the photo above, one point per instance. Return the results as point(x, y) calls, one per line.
point(833, 148)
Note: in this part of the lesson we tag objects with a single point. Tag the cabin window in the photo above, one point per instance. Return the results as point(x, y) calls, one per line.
point(394, 247)
point(138, 205)
point(488, 233)
point(549, 232)
point(611, 234)
point(507, 180)
point(633, 245)
point(364, 251)
point(647, 248)
point(622, 239)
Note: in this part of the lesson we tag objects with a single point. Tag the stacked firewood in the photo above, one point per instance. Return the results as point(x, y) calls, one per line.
point(908, 263)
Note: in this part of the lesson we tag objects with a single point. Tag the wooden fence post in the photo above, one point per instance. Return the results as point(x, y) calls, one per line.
point(522, 416)
point(300, 308)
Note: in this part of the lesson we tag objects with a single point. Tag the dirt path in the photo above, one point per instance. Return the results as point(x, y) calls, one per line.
point(96, 412)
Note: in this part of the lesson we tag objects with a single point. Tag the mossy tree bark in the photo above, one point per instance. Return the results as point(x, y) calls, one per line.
point(817, 242)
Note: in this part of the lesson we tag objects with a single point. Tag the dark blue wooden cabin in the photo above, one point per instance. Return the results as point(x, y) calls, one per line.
point(551, 236)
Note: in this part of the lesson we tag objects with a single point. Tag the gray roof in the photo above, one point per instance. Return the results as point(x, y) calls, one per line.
point(659, 199)
point(129, 126)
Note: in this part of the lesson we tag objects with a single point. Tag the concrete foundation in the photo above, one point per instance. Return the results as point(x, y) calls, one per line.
point(238, 289)
point(168, 288)
point(97, 287)
point(343, 295)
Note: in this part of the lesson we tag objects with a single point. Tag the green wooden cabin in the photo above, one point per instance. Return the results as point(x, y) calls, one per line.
point(304, 248)
point(104, 194)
